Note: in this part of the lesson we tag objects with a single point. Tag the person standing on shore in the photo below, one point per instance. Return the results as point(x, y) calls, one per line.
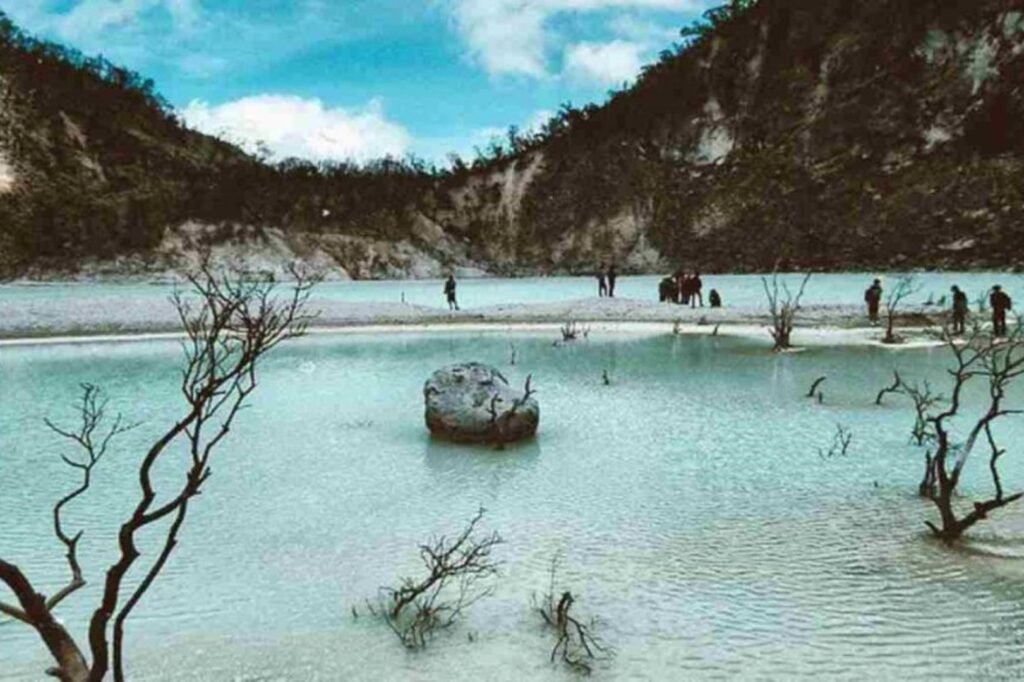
point(873, 297)
point(959, 310)
point(1000, 303)
point(684, 288)
point(449, 292)
point(667, 290)
point(695, 291)
point(602, 285)
point(612, 275)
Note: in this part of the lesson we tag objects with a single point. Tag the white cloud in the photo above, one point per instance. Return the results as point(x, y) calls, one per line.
point(305, 128)
point(196, 38)
point(504, 36)
point(632, 27)
point(537, 119)
point(91, 18)
point(199, 65)
point(512, 37)
point(611, 63)
point(186, 13)
point(533, 124)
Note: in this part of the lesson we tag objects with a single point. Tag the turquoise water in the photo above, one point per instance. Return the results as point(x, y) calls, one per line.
point(736, 290)
point(688, 499)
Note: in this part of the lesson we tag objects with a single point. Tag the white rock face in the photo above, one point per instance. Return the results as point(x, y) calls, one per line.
point(267, 250)
point(716, 142)
point(981, 66)
point(935, 136)
point(250, 249)
point(473, 403)
point(7, 177)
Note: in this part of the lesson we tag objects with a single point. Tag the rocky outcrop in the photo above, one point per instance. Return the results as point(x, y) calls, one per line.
point(267, 250)
point(473, 403)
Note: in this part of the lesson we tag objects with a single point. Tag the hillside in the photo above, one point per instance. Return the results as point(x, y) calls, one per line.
point(99, 177)
point(827, 134)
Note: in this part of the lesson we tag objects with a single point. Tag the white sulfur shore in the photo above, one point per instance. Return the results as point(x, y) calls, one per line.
point(54, 321)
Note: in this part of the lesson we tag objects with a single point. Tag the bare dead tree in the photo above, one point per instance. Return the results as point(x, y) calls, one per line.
point(997, 362)
point(230, 325)
point(455, 571)
point(513, 354)
point(813, 392)
point(573, 331)
point(841, 441)
point(606, 379)
point(923, 432)
point(895, 387)
point(905, 286)
point(575, 642)
point(924, 400)
point(783, 305)
point(501, 420)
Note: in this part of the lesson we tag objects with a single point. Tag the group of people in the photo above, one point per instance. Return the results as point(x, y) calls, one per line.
point(999, 301)
point(686, 288)
point(606, 277)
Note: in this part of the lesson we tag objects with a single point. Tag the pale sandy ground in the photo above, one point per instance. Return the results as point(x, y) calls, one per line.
point(50, 321)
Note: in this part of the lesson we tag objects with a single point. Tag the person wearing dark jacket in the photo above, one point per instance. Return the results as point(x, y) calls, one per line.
point(685, 289)
point(873, 297)
point(667, 290)
point(612, 275)
point(602, 284)
point(677, 283)
point(449, 292)
point(1000, 303)
point(959, 310)
point(696, 285)
point(714, 299)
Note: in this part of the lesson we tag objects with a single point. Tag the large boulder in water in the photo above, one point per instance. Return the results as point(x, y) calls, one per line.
point(473, 403)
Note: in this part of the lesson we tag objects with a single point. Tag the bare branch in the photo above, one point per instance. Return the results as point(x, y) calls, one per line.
point(814, 387)
point(235, 324)
point(841, 440)
point(999, 362)
point(575, 642)
point(454, 571)
point(906, 286)
point(572, 331)
point(92, 413)
point(783, 308)
point(895, 387)
point(230, 324)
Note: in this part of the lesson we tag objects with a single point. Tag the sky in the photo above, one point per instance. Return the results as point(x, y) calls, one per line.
point(360, 79)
